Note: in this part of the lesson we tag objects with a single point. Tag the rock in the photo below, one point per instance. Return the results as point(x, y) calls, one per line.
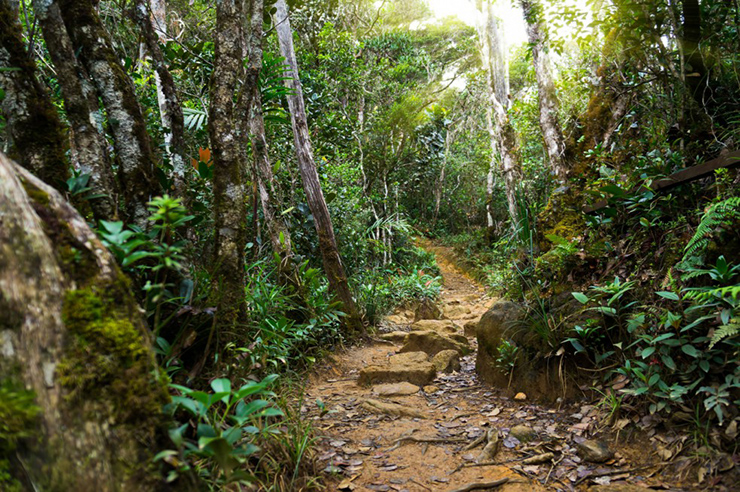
point(408, 358)
point(460, 338)
point(446, 361)
point(377, 406)
point(523, 432)
point(594, 451)
point(441, 326)
point(457, 311)
point(490, 330)
point(411, 367)
point(396, 389)
point(397, 319)
point(427, 309)
point(520, 396)
point(469, 328)
point(432, 343)
point(395, 336)
point(430, 388)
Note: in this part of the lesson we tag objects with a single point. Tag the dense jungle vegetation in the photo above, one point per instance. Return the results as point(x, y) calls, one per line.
point(200, 201)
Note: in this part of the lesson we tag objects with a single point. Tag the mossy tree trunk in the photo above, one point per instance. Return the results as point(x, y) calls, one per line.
point(151, 16)
point(73, 335)
point(552, 134)
point(229, 162)
point(136, 163)
point(89, 147)
point(37, 135)
point(311, 185)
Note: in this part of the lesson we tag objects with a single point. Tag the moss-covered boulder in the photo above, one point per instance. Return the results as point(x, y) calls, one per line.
point(74, 337)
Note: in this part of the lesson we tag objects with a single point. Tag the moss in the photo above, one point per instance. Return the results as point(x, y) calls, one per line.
point(18, 414)
point(107, 358)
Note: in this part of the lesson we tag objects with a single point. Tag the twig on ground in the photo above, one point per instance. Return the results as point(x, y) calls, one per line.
point(397, 442)
point(480, 485)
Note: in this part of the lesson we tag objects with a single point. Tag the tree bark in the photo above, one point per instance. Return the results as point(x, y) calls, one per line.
point(311, 185)
point(229, 161)
point(552, 134)
point(691, 39)
point(266, 183)
point(38, 139)
point(151, 17)
point(74, 338)
point(503, 138)
point(89, 147)
point(138, 183)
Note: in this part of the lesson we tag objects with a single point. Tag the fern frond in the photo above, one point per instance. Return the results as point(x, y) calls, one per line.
point(725, 331)
point(721, 213)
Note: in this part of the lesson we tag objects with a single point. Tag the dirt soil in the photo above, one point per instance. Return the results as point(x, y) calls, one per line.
point(364, 450)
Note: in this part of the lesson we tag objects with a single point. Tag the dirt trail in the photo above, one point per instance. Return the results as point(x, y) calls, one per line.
point(363, 448)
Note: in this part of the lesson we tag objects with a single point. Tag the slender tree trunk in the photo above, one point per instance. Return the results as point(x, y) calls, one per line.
point(691, 39)
point(136, 171)
point(152, 20)
point(266, 183)
point(89, 147)
point(552, 134)
point(327, 241)
point(504, 138)
point(229, 161)
point(439, 189)
point(37, 135)
point(75, 340)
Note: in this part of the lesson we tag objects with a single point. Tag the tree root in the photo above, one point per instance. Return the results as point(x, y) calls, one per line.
point(480, 485)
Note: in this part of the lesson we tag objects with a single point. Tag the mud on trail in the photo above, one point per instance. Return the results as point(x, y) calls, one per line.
point(453, 432)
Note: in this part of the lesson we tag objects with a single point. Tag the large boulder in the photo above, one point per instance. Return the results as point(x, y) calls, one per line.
point(427, 309)
point(441, 326)
point(412, 367)
point(431, 342)
point(496, 324)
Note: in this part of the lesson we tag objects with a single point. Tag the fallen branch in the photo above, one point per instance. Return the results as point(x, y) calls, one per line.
point(480, 485)
point(613, 472)
point(397, 442)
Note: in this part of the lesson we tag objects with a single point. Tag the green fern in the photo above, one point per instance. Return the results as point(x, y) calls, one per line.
point(720, 213)
point(725, 331)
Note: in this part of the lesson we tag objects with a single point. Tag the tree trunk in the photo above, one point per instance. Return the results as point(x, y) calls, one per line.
point(37, 135)
point(327, 241)
point(552, 134)
point(266, 183)
point(138, 184)
point(696, 77)
point(229, 162)
point(503, 137)
point(75, 340)
point(439, 189)
point(89, 147)
point(152, 20)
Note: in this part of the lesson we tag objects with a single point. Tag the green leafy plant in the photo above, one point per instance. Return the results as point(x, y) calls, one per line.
point(218, 436)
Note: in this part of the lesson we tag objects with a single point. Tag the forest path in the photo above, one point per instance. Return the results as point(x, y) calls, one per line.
point(362, 446)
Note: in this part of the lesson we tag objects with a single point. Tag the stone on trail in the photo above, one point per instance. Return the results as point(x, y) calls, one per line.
point(413, 368)
point(396, 389)
point(395, 336)
point(432, 343)
point(397, 319)
point(441, 326)
point(594, 451)
point(457, 311)
point(523, 433)
point(430, 388)
point(427, 309)
point(520, 396)
point(492, 327)
point(447, 361)
point(470, 327)
point(394, 409)
point(618, 487)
